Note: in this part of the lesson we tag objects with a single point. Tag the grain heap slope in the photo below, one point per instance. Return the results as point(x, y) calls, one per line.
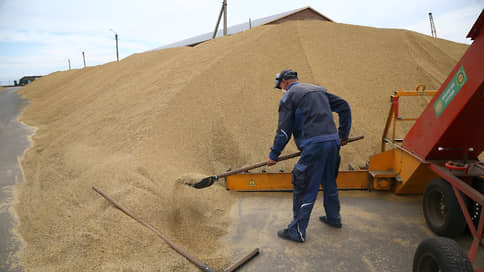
point(135, 127)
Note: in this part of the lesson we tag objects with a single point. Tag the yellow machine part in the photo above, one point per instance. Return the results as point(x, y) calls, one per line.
point(404, 172)
point(282, 181)
point(397, 170)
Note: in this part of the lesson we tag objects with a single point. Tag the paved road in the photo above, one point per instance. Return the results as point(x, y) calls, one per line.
point(381, 232)
point(13, 142)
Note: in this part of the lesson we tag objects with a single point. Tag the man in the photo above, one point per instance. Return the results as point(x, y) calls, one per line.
point(305, 111)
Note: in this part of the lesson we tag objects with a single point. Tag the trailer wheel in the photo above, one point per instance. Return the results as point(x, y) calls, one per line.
point(440, 254)
point(441, 209)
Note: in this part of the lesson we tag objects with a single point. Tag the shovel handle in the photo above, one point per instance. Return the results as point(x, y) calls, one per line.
point(257, 165)
point(281, 158)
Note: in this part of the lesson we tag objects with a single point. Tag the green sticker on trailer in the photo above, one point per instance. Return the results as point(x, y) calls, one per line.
point(459, 79)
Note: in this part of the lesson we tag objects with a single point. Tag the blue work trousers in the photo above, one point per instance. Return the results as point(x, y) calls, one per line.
point(317, 166)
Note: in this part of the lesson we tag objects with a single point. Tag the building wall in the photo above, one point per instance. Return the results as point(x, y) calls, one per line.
point(26, 80)
point(306, 14)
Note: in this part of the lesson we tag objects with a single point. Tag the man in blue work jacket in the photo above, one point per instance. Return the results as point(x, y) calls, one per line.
point(305, 111)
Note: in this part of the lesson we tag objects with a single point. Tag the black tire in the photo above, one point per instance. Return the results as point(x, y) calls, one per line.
point(441, 209)
point(440, 254)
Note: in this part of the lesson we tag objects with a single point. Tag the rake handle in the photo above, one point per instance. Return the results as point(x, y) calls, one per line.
point(281, 158)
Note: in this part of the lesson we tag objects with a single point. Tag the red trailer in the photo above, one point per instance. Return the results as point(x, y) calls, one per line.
point(448, 138)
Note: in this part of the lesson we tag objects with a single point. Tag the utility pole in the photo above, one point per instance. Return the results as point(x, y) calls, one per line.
point(117, 51)
point(225, 17)
point(69, 61)
point(116, 38)
point(223, 10)
point(250, 24)
point(432, 26)
point(84, 59)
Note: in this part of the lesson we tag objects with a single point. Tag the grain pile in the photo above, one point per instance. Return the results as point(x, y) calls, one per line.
point(136, 127)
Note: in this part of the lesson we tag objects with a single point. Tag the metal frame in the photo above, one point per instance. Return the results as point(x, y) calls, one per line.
point(459, 186)
point(393, 116)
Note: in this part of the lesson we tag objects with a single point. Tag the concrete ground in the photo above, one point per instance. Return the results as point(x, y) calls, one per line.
point(13, 142)
point(381, 232)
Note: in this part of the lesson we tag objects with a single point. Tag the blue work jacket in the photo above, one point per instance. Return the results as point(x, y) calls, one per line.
point(305, 111)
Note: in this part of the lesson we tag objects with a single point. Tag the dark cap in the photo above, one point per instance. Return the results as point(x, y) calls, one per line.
point(285, 75)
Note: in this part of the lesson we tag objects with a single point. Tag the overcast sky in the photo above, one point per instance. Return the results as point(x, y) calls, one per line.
point(37, 37)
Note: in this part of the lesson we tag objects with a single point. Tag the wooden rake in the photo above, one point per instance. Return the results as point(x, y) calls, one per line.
point(202, 266)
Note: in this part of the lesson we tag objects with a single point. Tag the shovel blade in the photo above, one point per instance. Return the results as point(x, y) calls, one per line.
point(206, 182)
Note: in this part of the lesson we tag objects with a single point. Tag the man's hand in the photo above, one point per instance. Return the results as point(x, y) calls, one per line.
point(271, 162)
point(343, 141)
